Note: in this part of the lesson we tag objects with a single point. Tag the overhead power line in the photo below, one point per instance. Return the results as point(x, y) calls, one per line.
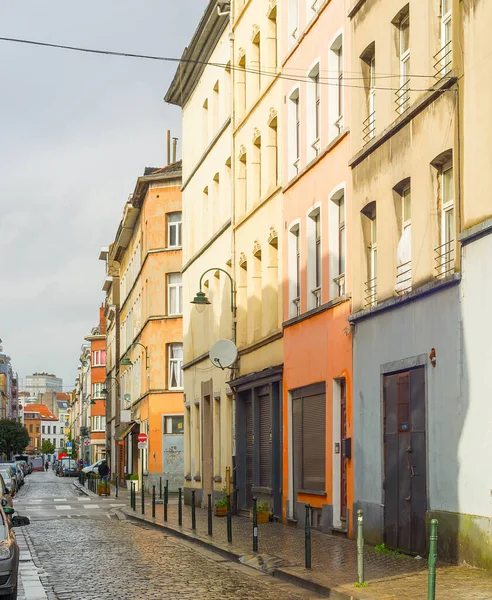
point(270, 73)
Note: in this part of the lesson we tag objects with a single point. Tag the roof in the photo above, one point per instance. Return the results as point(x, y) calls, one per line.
point(62, 396)
point(44, 412)
point(174, 167)
point(63, 404)
point(154, 176)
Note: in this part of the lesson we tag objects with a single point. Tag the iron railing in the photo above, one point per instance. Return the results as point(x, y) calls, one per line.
point(404, 277)
point(369, 128)
point(402, 99)
point(370, 293)
point(444, 257)
point(443, 60)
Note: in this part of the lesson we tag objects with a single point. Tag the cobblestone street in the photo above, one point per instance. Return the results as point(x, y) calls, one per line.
point(94, 558)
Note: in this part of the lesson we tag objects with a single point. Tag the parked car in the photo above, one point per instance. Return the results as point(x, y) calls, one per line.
point(54, 465)
point(92, 468)
point(18, 475)
point(9, 551)
point(24, 466)
point(69, 468)
point(20, 465)
point(5, 493)
point(37, 463)
point(9, 479)
point(25, 458)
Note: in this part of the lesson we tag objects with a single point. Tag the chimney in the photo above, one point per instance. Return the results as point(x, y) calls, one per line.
point(175, 146)
point(168, 146)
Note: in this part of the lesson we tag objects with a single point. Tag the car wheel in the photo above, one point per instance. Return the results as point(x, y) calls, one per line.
point(12, 596)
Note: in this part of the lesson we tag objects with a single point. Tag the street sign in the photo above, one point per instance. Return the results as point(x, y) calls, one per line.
point(87, 442)
point(142, 445)
point(142, 437)
point(69, 446)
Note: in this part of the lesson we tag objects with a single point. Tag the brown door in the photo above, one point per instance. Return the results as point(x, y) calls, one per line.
point(207, 448)
point(405, 460)
point(343, 460)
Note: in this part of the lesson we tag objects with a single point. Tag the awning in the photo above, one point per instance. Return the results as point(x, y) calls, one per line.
point(125, 432)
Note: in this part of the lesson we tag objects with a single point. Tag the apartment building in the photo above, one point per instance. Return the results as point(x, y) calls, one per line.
point(32, 422)
point(203, 91)
point(51, 429)
point(317, 201)
point(148, 248)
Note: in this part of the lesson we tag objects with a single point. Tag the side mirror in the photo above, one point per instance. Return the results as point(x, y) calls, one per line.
point(8, 510)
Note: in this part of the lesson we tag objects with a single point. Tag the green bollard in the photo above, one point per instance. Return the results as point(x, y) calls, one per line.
point(431, 581)
point(180, 509)
point(360, 545)
point(153, 501)
point(307, 537)
point(193, 514)
point(209, 510)
point(166, 499)
point(229, 519)
point(255, 526)
point(143, 498)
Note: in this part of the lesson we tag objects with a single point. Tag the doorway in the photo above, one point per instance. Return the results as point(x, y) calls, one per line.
point(405, 461)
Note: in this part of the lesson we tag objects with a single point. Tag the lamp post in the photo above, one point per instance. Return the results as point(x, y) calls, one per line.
point(105, 392)
point(201, 301)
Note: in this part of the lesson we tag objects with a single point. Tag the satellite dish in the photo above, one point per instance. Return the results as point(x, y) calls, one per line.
point(223, 354)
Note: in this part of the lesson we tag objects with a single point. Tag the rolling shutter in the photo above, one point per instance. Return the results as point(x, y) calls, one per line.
point(314, 442)
point(248, 405)
point(265, 440)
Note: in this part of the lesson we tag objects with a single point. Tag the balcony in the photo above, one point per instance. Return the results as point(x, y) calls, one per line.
point(403, 278)
point(444, 257)
point(443, 60)
point(369, 128)
point(370, 292)
point(402, 99)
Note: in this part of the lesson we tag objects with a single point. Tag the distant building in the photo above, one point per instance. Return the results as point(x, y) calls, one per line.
point(51, 428)
point(9, 404)
point(40, 383)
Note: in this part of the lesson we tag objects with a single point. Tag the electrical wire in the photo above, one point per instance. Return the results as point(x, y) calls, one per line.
point(272, 73)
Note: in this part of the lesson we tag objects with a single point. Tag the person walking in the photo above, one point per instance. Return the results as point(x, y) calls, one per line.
point(46, 465)
point(103, 470)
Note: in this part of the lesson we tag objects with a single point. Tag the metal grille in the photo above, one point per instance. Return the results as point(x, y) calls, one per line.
point(402, 99)
point(248, 405)
point(265, 441)
point(404, 277)
point(443, 60)
point(369, 127)
point(444, 257)
point(370, 293)
point(313, 442)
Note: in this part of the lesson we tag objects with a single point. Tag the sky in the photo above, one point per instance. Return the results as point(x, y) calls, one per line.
point(76, 130)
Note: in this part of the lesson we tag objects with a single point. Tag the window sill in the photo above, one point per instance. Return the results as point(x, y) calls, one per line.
point(197, 478)
point(312, 492)
point(258, 489)
point(188, 478)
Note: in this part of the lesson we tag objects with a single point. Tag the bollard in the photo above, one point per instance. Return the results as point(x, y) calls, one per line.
point(255, 526)
point(160, 488)
point(209, 514)
point(360, 545)
point(116, 488)
point(431, 582)
point(166, 498)
point(307, 537)
point(153, 501)
point(180, 509)
point(143, 498)
point(193, 515)
point(229, 519)
point(133, 492)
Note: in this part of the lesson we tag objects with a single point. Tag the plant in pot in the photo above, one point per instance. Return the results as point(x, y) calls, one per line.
point(263, 512)
point(132, 479)
point(221, 504)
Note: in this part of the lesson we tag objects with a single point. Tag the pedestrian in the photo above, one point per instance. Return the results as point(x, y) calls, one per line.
point(46, 466)
point(103, 470)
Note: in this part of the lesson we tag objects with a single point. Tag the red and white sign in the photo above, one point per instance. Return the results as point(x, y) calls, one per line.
point(142, 438)
point(87, 442)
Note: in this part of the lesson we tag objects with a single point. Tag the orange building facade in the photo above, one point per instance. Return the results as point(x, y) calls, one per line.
point(317, 381)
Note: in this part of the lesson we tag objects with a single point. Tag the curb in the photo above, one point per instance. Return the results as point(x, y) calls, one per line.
point(82, 489)
point(278, 573)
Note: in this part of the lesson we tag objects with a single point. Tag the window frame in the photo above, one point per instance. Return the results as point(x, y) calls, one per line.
point(96, 391)
point(178, 288)
point(179, 362)
point(99, 358)
point(446, 205)
point(178, 225)
point(404, 62)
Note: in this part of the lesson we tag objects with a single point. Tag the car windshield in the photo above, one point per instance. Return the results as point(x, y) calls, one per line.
point(7, 466)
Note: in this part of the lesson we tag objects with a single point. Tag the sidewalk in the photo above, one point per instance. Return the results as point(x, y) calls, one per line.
point(334, 559)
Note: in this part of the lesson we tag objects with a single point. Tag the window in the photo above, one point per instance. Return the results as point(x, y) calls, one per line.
point(313, 113)
point(99, 358)
point(205, 123)
point(403, 94)
point(241, 85)
point(312, 9)
point(48, 429)
point(31, 428)
point(272, 150)
point(97, 390)
point(446, 53)
point(341, 245)
point(174, 425)
point(272, 61)
point(372, 97)
point(174, 294)
point(294, 134)
point(256, 183)
point(337, 243)
point(242, 182)
point(43, 429)
point(256, 65)
point(293, 19)
point(215, 108)
point(314, 265)
point(99, 423)
point(369, 229)
point(447, 222)
point(175, 366)
point(294, 271)
point(37, 429)
point(54, 429)
point(404, 250)
point(174, 222)
point(368, 58)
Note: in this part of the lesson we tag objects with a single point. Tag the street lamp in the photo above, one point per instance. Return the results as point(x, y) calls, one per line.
point(87, 401)
point(128, 363)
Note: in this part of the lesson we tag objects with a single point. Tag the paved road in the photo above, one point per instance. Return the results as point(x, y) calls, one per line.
point(80, 548)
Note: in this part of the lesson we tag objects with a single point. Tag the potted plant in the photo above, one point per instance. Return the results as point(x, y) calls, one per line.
point(263, 512)
point(132, 479)
point(221, 504)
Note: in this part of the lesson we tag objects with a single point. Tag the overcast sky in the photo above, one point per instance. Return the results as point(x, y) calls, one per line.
point(76, 130)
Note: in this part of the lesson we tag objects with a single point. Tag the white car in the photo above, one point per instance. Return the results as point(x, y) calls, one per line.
point(92, 468)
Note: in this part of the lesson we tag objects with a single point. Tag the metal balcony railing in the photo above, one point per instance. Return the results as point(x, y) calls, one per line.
point(370, 291)
point(402, 99)
point(443, 60)
point(317, 295)
point(297, 305)
point(369, 128)
point(444, 257)
point(404, 278)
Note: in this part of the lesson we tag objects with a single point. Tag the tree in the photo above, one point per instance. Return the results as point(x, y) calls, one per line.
point(14, 437)
point(47, 447)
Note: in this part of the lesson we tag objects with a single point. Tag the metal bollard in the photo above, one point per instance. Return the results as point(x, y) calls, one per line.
point(431, 581)
point(180, 509)
point(307, 537)
point(229, 519)
point(133, 492)
point(153, 501)
point(143, 498)
point(116, 488)
point(209, 510)
point(166, 499)
point(193, 515)
point(160, 488)
point(255, 526)
point(360, 545)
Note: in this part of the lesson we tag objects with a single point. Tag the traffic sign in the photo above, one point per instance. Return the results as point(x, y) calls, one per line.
point(69, 445)
point(142, 437)
point(142, 445)
point(87, 442)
